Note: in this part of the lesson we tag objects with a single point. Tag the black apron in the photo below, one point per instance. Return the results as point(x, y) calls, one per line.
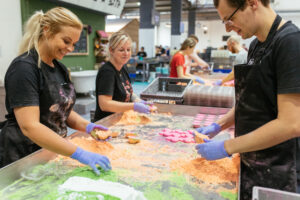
point(256, 105)
point(56, 103)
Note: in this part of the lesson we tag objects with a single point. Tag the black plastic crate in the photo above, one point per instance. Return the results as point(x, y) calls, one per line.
point(166, 90)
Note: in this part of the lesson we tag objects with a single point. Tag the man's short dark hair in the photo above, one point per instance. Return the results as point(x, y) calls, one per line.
point(237, 3)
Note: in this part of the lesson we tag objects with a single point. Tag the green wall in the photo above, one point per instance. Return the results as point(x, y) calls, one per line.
point(95, 20)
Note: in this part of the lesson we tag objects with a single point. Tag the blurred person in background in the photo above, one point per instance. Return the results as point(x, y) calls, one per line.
point(234, 46)
point(177, 64)
point(245, 47)
point(162, 51)
point(142, 54)
point(193, 60)
point(157, 51)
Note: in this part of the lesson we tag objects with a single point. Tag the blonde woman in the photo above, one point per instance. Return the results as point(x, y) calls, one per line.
point(40, 95)
point(113, 88)
point(177, 65)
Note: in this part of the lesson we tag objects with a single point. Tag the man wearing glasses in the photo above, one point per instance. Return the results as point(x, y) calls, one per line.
point(267, 110)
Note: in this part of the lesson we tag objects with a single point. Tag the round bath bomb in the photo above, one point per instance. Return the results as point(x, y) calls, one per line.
point(188, 140)
point(172, 139)
point(183, 136)
point(114, 134)
point(100, 134)
point(133, 139)
point(167, 134)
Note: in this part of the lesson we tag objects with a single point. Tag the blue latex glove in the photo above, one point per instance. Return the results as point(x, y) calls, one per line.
point(218, 82)
point(140, 107)
point(92, 126)
point(212, 150)
point(211, 130)
point(199, 80)
point(92, 159)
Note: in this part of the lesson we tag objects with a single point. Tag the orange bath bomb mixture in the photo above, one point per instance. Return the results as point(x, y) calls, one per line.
point(133, 118)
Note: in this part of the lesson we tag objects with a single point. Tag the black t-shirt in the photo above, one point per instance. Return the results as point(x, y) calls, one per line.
point(114, 83)
point(142, 54)
point(284, 66)
point(24, 81)
point(284, 59)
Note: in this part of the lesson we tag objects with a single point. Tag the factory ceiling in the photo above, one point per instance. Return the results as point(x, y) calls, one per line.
point(204, 9)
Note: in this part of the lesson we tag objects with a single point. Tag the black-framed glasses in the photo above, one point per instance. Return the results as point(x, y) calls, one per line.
point(228, 21)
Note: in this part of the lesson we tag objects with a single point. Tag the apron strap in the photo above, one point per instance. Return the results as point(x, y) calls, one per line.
point(257, 54)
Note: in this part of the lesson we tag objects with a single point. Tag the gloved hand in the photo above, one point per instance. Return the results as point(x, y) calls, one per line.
point(92, 126)
point(140, 107)
point(91, 159)
point(212, 150)
point(218, 82)
point(199, 80)
point(211, 130)
point(146, 102)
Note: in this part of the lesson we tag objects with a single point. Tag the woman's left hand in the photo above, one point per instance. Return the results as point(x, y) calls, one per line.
point(141, 108)
point(91, 126)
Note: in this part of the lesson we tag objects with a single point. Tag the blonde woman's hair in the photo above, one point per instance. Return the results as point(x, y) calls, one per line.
point(54, 19)
point(189, 42)
point(116, 39)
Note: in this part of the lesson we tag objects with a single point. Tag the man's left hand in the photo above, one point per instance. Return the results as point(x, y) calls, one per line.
point(212, 150)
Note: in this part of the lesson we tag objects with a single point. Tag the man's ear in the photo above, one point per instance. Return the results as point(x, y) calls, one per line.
point(253, 4)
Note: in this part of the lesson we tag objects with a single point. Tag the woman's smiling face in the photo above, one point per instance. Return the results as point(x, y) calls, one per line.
point(122, 53)
point(63, 42)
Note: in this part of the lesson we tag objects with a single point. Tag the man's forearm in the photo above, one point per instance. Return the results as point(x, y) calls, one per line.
point(228, 119)
point(272, 133)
